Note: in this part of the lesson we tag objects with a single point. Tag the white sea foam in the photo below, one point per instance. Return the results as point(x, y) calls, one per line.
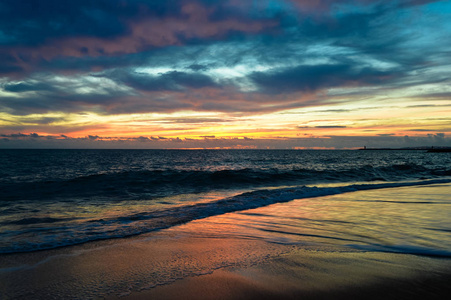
point(142, 222)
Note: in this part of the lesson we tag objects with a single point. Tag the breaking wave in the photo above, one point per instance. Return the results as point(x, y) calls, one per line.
point(64, 232)
point(147, 184)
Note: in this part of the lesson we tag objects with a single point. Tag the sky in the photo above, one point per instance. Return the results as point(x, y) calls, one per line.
point(246, 74)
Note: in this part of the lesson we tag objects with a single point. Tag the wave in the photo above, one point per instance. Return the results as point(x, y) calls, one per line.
point(129, 225)
point(404, 249)
point(150, 184)
point(29, 221)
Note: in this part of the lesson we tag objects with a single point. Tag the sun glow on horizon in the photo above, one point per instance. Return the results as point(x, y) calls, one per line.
point(191, 126)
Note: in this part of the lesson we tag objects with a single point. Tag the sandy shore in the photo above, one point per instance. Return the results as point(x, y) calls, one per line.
point(243, 255)
point(181, 269)
point(317, 275)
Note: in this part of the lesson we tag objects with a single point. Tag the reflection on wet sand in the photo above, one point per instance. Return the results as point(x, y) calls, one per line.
point(388, 243)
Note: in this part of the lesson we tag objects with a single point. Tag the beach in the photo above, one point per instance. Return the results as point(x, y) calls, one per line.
point(315, 275)
point(301, 249)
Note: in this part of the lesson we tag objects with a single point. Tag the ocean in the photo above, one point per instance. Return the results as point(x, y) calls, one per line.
point(55, 198)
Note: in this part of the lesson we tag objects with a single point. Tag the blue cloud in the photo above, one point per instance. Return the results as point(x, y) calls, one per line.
point(170, 81)
point(309, 47)
point(313, 77)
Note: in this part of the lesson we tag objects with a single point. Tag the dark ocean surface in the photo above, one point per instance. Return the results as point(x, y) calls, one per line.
point(53, 198)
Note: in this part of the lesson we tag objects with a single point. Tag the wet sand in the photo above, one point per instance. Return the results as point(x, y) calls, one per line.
point(256, 254)
point(338, 276)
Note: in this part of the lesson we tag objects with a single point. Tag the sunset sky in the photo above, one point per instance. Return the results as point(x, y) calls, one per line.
point(225, 74)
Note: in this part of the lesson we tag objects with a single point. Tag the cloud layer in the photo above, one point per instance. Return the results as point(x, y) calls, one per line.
point(233, 58)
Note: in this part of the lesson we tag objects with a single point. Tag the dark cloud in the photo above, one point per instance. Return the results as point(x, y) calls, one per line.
point(143, 103)
point(9, 63)
point(21, 135)
point(310, 78)
point(35, 24)
point(325, 6)
point(198, 67)
point(59, 102)
point(143, 139)
point(14, 135)
point(428, 105)
point(170, 81)
point(27, 87)
point(31, 23)
point(48, 32)
point(435, 96)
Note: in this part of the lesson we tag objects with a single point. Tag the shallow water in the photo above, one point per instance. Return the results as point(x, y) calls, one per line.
point(53, 198)
point(410, 220)
point(368, 235)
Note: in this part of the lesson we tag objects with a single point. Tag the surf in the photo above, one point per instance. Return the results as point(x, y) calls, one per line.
point(50, 233)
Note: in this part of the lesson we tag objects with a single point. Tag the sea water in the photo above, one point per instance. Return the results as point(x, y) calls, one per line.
point(54, 198)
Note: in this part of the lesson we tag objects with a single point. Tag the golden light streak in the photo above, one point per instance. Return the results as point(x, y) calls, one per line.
point(357, 119)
